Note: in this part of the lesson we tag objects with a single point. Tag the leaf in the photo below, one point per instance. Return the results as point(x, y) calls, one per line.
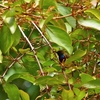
point(67, 95)
point(1, 56)
point(95, 12)
point(23, 75)
point(9, 13)
point(94, 84)
point(66, 11)
point(27, 1)
point(86, 77)
point(91, 23)
point(47, 3)
point(78, 34)
point(6, 39)
point(24, 95)
point(78, 54)
point(23, 51)
point(76, 91)
point(12, 91)
point(16, 37)
point(60, 37)
point(81, 95)
point(30, 64)
point(10, 21)
point(48, 80)
point(45, 21)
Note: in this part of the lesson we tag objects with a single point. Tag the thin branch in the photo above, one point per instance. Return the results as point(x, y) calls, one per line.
point(66, 78)
point(63, 16)
point(33, 49)
point(44, 37)
point(42, 34)
point(15, 60)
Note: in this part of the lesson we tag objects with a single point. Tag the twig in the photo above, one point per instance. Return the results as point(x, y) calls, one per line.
point(33, 49)
point(94, 68)
point(65, 76)
point(42, 34)
point(16, 59)
point(63, 16)
point(44, 37)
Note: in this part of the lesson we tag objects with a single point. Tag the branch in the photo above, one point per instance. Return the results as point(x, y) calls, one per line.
point(33, 49)
point(62, 16)
point(5, 72)
point(44, 37)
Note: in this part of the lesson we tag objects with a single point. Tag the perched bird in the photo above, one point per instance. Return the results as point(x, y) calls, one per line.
point(61, 55)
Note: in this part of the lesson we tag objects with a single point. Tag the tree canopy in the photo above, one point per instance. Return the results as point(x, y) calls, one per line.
point(49, 49)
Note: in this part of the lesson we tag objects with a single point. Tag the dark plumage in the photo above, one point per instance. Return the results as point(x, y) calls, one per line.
point(61, 55)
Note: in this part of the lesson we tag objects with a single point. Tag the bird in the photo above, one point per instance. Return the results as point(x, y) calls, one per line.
point(61, 56)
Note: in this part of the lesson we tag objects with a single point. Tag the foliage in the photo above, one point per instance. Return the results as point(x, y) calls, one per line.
point(31, 33)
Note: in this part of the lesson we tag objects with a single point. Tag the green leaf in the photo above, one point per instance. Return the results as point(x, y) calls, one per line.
point(47, 3)
point(78, 54)
point(66, 11)
point(67, 95)
point(60, 37)
point(16, 37)
point(23, 51)
point(91, 23)
point(23, 75)
point(95, 12)
point(30, 64)
point(9, 13)
point(24, 95)
point(45, 21)
point(94, 84)
point(86, 77)
point(6, 39)
point(76, 91)
point(1, 56)
point(10, 21)
point(79, 94)
point(12, 91)
point(78, 34)
point(27, 1)
point(48, 80)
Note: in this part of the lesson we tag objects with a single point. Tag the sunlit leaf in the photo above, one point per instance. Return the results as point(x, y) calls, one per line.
point(94, 84)
point(66, 11)
point(6, 39)
point(27, 1)
point(95, 12)
point(16, 37)
point(12, 91)
point(67, 95)
point(91, 23)
point(48, 80)
point(47, 3)
point(10, 21)
point(86, 77)
point(60, 37)
point(78, 54)
point(45, 21)
point(24, 95)
point(23, 51)
point(23, 75)
point(1, 56)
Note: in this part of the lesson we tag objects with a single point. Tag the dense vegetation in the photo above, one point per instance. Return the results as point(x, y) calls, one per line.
point(31, 34)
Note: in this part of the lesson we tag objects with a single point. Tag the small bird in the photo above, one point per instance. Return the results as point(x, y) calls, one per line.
point(61, 55)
